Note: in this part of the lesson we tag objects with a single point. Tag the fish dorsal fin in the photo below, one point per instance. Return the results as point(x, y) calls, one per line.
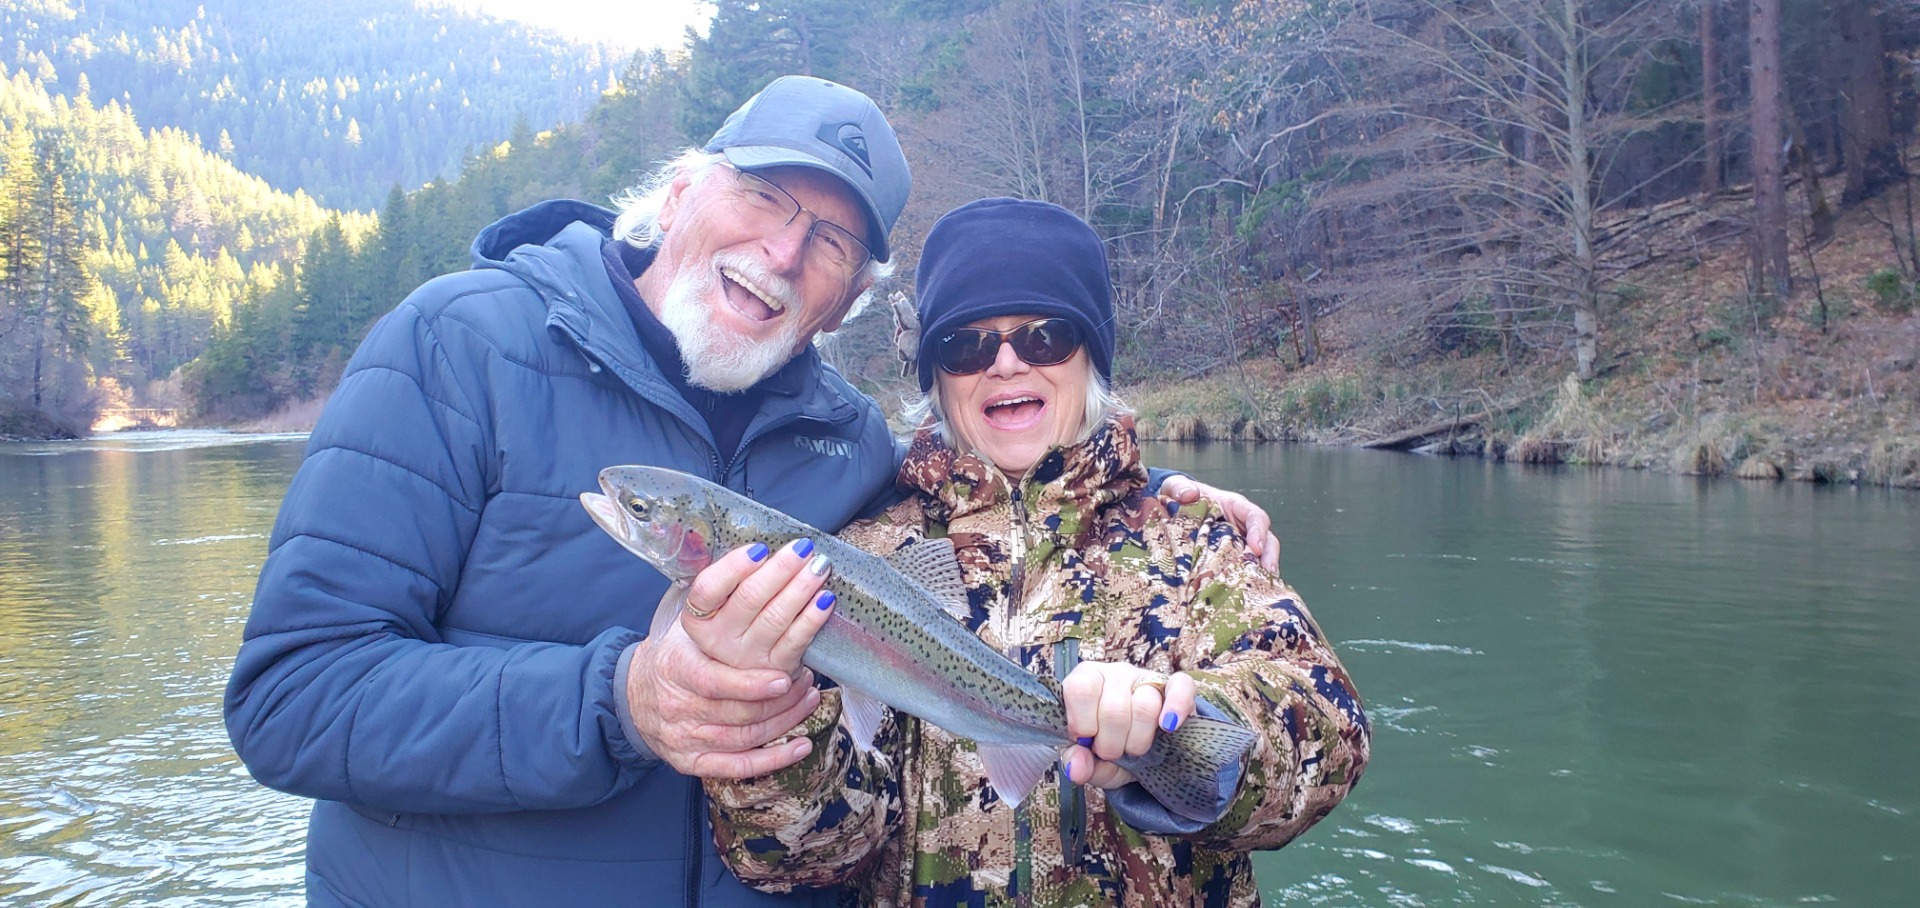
point(1015, 768)
point(931, 563)
point(669, 608)
point(860, 715)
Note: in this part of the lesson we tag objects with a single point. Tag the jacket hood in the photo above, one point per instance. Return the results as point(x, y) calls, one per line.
point(535, 226)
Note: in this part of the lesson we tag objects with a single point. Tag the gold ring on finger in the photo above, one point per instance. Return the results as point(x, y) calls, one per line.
point(1155, 680)
point(699, 612)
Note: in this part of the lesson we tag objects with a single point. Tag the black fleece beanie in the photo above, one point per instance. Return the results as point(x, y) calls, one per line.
point(1013, 257)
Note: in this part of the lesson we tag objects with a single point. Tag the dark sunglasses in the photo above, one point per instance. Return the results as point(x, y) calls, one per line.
point(1041, 342)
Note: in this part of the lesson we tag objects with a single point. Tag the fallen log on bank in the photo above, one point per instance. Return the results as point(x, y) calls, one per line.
point(1411, 437)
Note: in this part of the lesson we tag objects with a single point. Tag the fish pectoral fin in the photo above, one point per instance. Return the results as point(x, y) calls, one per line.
point(671, 602)
point(1195, 771)
point(932, 564)
point(1014, 769)
point(861, 716)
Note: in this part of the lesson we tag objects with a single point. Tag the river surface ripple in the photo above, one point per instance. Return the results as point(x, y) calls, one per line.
point(1587, 687)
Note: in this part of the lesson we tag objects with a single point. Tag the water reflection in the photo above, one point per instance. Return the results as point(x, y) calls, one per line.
point(125, 570)
point(1591, 688)
point(1599, 687)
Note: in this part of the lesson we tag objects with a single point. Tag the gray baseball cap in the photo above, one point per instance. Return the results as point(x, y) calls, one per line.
point(803, 121)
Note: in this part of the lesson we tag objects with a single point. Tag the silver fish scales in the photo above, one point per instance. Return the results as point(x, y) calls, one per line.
point(894, 639)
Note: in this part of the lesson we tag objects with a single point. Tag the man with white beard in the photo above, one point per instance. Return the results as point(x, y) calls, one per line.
point(446, 653)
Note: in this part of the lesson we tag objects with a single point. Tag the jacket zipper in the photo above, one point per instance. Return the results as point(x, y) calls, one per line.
point(1016, 581)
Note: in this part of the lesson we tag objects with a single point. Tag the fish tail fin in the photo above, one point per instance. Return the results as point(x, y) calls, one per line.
point(1196, 770)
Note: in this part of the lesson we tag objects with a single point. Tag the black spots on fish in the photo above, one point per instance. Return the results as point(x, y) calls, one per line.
point(764, 845)
point(831, 813)
point(1335, 688)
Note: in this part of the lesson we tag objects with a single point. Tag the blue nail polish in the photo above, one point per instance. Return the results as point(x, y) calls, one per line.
point(756, 552)
point(1170, 721)
point(803, 547)
point(823, 601)
point(1084, 742)
point(1173, 509)
point(1066, 769)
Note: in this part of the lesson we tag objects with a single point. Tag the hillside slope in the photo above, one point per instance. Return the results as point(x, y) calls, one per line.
point(341, 99)
point(1699, 375)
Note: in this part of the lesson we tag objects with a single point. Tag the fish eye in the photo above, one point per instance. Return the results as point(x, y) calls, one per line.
point(638, 507)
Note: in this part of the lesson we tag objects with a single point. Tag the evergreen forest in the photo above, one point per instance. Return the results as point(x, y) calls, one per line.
point(1351, 220)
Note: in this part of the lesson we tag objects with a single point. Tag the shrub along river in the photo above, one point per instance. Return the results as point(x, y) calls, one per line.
point(1587, 687)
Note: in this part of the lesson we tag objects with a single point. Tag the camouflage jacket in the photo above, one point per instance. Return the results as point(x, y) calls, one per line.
point(1075, 551)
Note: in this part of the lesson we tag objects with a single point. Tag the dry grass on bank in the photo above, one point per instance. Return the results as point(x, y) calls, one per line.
point(298, 416)
point(1698, 375)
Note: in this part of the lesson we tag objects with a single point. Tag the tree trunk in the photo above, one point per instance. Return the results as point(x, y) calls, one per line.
point(1802, 157)
point(1866, 117)
point(1586, 297)
point(1710, 98)
point(1309, 330)
point(1769, 177)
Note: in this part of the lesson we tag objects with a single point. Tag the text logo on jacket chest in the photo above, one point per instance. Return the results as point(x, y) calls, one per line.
point(827, 447)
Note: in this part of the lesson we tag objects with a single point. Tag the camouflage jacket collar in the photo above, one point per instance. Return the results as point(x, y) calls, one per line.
point(1081, 478)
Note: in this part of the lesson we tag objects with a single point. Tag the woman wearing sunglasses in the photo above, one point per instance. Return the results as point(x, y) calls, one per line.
point(1028, 463)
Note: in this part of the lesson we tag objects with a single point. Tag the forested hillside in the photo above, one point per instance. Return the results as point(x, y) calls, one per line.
point(122, 250)
point(341, 99)
point(1393, 222)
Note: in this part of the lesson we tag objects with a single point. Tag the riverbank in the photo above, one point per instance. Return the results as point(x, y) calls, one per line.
point(1696, 376)
point(23, 424)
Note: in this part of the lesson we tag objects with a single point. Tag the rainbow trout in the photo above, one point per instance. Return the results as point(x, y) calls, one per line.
point(894, 639)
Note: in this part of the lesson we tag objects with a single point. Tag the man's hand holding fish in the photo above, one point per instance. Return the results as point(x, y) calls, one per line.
point(715, 693)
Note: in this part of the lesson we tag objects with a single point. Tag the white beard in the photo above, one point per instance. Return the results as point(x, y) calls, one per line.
point(717, 359)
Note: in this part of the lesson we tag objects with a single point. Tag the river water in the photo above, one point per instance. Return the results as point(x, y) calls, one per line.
point(1587, 687)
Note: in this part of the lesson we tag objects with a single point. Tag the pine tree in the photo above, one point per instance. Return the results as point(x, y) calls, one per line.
point(64, 283)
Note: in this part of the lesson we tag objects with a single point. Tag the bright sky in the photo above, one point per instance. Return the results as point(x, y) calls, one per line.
point(626, 24)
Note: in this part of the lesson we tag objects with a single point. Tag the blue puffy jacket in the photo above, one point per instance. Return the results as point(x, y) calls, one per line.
point(434, 638)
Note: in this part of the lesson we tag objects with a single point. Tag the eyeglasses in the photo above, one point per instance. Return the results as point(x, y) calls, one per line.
point(1041, 342)
point(827, 243)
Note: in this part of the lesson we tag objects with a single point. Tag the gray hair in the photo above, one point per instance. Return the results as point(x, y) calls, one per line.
point(927, 410)
point(639, 220)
